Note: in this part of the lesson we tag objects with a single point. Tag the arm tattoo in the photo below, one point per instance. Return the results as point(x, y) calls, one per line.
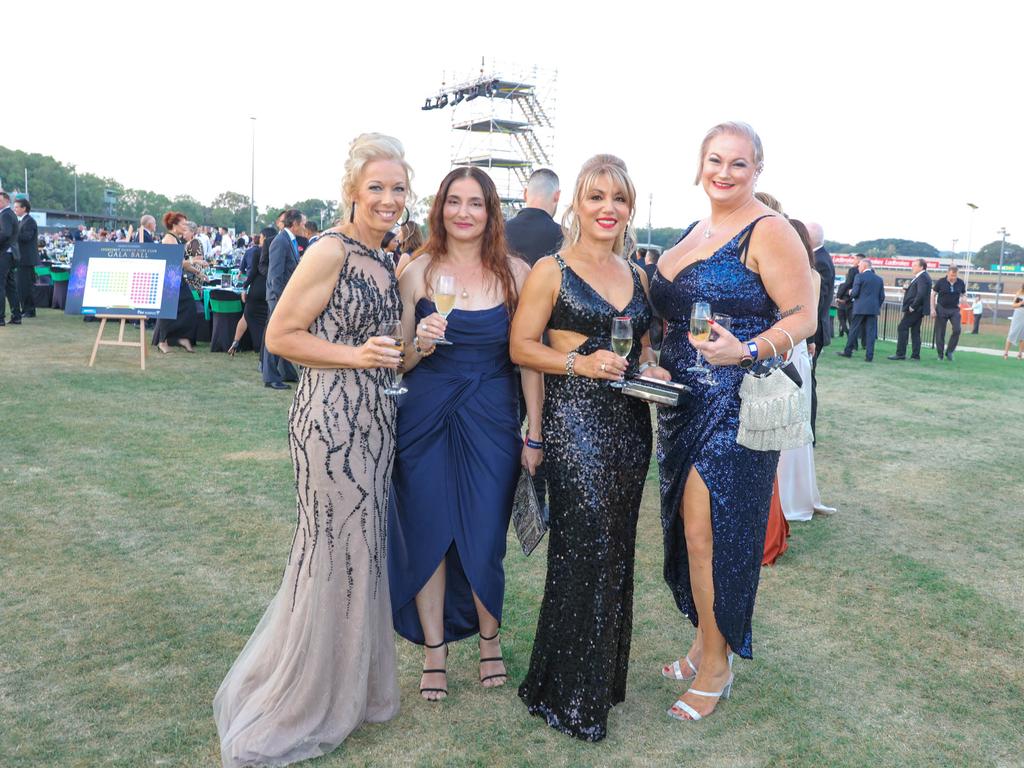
point(788, 312)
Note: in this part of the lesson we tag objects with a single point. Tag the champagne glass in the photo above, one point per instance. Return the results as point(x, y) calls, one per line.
point(444, 300)
point(725, 322)
point(622, 342)
point(700, 329)
point(396, 332)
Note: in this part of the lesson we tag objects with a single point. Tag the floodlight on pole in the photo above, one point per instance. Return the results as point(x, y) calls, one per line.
point(999, 282)
point(252, 180)
point(970, 237)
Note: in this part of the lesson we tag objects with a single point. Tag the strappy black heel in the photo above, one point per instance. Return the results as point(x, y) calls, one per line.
point(483, 661)
point(436, 672)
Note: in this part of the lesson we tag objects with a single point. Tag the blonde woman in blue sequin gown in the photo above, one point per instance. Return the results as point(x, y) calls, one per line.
point(322, 659)
point(749, 264)
point(597, 452)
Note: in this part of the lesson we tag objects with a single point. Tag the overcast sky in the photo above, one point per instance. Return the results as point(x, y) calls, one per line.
point(878, 119)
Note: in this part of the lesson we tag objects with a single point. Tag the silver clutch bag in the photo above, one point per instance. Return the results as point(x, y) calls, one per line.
point(527, 517)
point(775, 413)
point(655, 390)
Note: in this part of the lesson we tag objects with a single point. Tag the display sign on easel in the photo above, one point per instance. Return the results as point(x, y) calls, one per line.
point(124, 281)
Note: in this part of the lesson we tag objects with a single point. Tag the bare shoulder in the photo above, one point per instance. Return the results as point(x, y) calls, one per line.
point(520, 269)
point(546, 269)
point(326, 252)
point(416, 267)
point(774, 229)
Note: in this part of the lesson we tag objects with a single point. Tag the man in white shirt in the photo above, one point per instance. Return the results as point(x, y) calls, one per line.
point(978, 308)
point(204, 240)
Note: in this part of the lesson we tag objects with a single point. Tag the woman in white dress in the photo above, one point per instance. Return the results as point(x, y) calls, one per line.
point(1016, 334)
point(798, 482)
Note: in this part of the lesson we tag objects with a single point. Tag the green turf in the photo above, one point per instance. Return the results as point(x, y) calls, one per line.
point(145, 518)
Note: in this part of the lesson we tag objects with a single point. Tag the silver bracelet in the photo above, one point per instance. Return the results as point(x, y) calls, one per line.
point(644, 366)
point(570, 362)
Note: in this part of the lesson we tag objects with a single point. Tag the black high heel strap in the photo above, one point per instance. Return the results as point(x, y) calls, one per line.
point(428, 645)
point(492, 636)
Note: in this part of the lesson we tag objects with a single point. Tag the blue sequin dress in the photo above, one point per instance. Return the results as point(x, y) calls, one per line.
point(597, 449)
point(703, 434)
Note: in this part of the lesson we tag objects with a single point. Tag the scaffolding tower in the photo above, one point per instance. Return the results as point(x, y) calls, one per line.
point(503, 120)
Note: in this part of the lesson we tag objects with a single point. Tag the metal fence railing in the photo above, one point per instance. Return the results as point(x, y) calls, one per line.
point(892, 313)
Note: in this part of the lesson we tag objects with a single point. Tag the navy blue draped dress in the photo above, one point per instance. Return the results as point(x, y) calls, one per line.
point(703, 435)
point(459, 449)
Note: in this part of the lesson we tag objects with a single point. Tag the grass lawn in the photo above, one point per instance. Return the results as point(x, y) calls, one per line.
point(145, 519)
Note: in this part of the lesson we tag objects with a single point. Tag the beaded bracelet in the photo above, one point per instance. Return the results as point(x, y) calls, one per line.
point(570, 362)
point(419, 350)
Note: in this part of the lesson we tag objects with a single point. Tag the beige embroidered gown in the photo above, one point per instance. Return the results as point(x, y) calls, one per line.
point(322, 659)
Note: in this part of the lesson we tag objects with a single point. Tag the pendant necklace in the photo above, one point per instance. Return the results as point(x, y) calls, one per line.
point(707, 230)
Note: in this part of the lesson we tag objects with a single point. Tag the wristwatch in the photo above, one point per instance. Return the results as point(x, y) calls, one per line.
point(749, 357)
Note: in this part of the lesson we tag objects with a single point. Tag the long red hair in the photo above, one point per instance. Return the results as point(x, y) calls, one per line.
point(494, 253)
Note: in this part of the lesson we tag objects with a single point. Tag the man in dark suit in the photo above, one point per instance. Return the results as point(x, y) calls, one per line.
point(28, 250)
point(946, 308)
point(868, 294)
point(283, 258)
point(147, 230)
point(844, 302)
point(916, 299)
point(533, 233)
point(823, 335)
point(8, 261)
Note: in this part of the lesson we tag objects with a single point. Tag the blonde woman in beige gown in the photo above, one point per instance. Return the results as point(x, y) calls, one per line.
point(322, 659)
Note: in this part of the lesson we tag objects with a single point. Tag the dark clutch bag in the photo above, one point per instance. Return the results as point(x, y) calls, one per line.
point(526, 514)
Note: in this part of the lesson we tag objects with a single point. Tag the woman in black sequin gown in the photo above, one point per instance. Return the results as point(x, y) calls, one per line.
point(749, 264)
point(597, 451)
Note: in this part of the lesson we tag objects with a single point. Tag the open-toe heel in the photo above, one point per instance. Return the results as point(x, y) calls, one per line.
point(693, 713)
point(436, 672)
point(483, 660)
point(674, 671)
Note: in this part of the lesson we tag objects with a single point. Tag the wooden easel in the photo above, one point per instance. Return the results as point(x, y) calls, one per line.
point(141, 343)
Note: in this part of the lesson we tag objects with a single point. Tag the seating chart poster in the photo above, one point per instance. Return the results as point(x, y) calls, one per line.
point(128, 279)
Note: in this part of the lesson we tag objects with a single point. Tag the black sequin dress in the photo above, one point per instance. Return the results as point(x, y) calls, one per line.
point(597, 452)
point(703, 435)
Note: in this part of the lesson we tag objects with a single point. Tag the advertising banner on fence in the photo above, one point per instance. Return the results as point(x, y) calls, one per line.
point(127, 279)
point(846, 260)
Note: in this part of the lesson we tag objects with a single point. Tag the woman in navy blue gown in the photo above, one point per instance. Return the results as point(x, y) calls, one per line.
point(459, 443)
point(748, 264)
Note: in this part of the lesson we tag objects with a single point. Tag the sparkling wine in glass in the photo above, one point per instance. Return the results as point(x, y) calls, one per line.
point(721, 321)
point(444, 300)
point(622, 342)
point(700, 328)
point(397, 333)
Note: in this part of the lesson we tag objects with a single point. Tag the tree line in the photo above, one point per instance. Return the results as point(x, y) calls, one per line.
point(51, 186)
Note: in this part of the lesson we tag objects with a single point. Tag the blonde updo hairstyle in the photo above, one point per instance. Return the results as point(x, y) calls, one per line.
point(615, 169)
point(736, 129)
point(365, 148)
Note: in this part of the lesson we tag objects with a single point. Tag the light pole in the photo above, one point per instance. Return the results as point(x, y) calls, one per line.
point(74, 168)
point(252, 180)
point(999, 282)
point(970, 237)
point(650, 205)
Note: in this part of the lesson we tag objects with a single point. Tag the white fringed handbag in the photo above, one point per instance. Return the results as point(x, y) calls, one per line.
point(775, 413)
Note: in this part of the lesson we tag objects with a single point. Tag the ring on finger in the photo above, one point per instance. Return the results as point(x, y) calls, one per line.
point(603, 367)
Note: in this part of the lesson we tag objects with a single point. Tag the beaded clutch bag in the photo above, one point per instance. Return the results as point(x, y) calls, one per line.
point(526, 514)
